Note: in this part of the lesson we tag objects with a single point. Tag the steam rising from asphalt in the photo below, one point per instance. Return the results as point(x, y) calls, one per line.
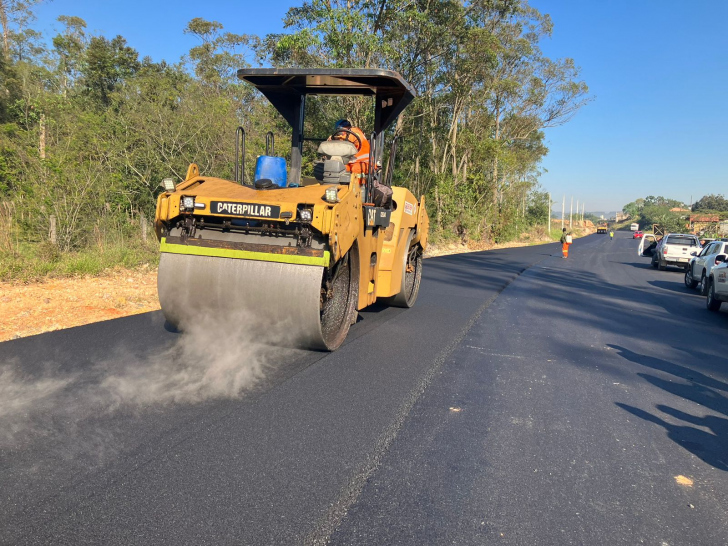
point(212, 359)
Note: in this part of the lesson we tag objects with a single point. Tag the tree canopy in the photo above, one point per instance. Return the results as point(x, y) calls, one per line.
point(88, 129)
point(711, 203)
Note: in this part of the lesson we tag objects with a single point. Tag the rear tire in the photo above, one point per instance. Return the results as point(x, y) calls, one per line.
point(710, 302)
point(411, 280)
point(690, 282)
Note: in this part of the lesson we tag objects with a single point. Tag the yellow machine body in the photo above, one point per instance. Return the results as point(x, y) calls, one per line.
point(288, 253)
point(381, 252)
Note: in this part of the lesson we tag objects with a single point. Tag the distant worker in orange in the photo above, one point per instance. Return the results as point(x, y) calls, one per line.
point(565, 242)
point(344, 131)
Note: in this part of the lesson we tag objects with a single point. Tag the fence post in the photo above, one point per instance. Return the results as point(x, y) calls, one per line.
point(143, 222)
point(52, 232)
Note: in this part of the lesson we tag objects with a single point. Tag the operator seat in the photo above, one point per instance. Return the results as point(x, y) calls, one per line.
point(337, 150)
point(337, 154)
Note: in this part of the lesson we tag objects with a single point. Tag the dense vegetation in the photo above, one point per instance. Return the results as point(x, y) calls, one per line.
point(674, 215)
point(711, 203)
point(88, 129)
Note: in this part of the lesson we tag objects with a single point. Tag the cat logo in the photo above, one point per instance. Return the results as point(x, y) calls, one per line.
point(371, 216)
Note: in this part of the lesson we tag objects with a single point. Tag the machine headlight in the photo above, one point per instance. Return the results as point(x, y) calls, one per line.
point(188, 203)
point(168, 184)
point(331, 195)
point(306, 215)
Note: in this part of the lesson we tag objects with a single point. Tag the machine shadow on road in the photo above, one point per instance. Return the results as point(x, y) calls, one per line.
point(588, 298)
point(677, 370)
point(708, 446)
point(711, 447)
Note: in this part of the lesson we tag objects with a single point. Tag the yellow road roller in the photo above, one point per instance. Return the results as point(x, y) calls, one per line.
point(289, 256)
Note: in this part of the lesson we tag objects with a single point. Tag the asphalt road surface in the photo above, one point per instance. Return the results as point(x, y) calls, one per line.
point(525, 399)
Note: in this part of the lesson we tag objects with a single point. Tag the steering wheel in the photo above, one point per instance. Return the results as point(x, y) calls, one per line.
point(347, 132)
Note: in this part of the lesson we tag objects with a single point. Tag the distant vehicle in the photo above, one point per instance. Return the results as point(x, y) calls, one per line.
point(673, 249)
point(700, 266)
point(637, 235)
point(717, 290)
point(602, 227)
point(634, 227)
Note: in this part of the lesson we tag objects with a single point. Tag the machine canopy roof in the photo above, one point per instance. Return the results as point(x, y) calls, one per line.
point(284, 88)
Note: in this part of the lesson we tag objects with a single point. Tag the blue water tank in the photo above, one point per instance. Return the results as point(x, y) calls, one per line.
point(272, 168)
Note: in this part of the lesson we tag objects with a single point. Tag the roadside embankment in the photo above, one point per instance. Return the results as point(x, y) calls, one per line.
point(536, 236)
point(73, 290)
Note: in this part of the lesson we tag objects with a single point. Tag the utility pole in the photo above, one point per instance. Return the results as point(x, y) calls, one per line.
point(571, 211)
point(583, 206)
point(577, 212)
point(563, 207)
point(549, 215)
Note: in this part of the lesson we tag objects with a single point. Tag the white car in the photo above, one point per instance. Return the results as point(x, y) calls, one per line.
point(673, 249)
point(717, 291)
point(699, 267)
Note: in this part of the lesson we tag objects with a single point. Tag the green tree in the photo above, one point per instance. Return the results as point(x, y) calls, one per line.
point(486, 92)
point(106, 65)
point(70, 46)
point(219, 55)
point(15, 15)
point(711, 203)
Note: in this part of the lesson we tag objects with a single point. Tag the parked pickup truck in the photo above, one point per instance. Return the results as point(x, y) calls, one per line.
point(717, 287)
point(698, 270)
point(674, 249)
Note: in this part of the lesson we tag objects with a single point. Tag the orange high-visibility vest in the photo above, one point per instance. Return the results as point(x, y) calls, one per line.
point(360, 162)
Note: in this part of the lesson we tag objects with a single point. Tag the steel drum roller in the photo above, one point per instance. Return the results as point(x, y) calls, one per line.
point(280, 302)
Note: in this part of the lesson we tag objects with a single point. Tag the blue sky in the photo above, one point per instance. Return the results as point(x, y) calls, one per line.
point(659, 74)
point(658, 70)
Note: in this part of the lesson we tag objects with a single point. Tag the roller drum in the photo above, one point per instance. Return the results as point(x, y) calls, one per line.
point(279, 303)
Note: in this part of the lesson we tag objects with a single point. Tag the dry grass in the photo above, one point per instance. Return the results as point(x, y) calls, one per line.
point(41, 303)
point(536, 236)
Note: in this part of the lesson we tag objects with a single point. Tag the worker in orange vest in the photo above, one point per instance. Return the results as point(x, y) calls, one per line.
point(565, 242)
point(343, 130)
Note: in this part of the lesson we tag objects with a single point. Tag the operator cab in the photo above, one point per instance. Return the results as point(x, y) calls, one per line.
point(287, 89)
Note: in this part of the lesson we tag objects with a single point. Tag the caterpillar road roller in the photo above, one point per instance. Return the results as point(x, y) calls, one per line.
point(298, 255)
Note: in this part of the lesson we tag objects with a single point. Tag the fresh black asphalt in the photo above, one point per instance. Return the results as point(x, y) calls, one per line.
point(525, 399)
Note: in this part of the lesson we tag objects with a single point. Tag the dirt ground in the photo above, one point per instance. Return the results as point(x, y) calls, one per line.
point(29, 309)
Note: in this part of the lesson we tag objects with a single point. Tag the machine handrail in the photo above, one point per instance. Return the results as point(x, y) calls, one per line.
point(372, 165)
point(240, 159)
point(390, 162)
